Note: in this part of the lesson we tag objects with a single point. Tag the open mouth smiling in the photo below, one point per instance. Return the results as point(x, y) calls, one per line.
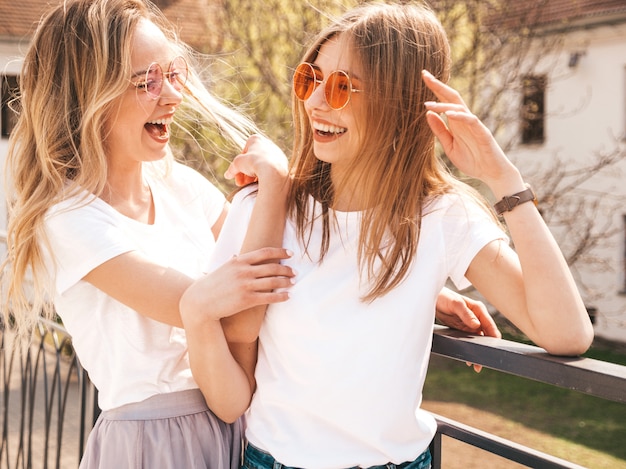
point(158, 127)
point(328, 129)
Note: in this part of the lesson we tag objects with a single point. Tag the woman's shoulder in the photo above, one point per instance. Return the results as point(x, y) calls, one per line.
point(458, 200)
point(79, 204)
point(182, 180)
point(442, 201)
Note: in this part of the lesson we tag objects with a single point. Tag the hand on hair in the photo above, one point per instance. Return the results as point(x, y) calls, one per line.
point(261, 158)
point(467, 142)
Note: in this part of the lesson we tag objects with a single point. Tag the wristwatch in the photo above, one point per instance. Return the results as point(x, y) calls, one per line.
point(509, 202)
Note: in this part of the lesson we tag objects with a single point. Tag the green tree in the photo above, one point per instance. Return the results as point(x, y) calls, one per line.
point(261, 42)
point(495, 44)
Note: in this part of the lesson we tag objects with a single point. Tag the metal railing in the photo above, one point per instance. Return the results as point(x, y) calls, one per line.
point(48, 402)
point(593, 377)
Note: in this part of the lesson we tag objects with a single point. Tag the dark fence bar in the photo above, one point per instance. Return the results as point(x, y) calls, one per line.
point(493, 444)
point(48, 402)
point(594, 377)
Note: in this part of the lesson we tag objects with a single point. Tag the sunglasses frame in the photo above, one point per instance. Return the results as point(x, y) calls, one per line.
point(177, 84)
point(325, 82)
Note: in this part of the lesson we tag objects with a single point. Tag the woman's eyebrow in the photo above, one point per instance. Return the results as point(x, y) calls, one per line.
point(141, 73)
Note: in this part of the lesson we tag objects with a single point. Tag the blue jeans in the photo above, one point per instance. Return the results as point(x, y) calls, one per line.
point(255, 458)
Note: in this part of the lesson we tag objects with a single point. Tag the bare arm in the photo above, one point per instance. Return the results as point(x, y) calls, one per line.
point(224, 366)
point(154, 291)
point(265, 162)
point(149, 288)
point(220, 368)
point(533, 285)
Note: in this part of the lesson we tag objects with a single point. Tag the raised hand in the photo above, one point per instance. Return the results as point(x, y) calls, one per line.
point(260, 158)
point(469, 145)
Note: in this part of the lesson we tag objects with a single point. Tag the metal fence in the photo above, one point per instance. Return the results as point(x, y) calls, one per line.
point(48, 402)
point(593, 377)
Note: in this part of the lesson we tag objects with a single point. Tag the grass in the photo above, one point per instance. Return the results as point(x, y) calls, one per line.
point(571, 418)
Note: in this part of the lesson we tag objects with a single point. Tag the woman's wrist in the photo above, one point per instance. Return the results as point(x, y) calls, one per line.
point(195, 320)
point(194, 307)
point(272, 173)
point(277, 183)
point(509, 203)
point(507, 185)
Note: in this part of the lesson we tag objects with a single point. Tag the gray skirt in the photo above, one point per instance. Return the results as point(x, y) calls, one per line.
point(167, 431)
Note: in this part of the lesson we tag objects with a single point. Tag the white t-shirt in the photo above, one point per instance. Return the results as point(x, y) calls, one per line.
point(128, 356)
point(339, 381)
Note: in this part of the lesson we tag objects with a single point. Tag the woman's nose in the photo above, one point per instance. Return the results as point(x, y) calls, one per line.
point(170, 94)
point(317, 98)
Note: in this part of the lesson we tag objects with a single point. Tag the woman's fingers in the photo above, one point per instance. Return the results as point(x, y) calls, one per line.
point(265, 255)
point(443, 92)
point(248, 280)
point(260, 158)
point(273, 282)
point(441, 108)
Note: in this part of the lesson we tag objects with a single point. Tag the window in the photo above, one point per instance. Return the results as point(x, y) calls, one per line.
point(624, 90)
point(533, 109)
point(8, 116)
point(623, 290)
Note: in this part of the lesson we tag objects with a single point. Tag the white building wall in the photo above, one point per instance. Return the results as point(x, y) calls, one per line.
point(586, 114)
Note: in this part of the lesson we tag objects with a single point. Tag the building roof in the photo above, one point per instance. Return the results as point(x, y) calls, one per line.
point(195, 20)
point(579, 11)
point(560, 14)
point(19, 18)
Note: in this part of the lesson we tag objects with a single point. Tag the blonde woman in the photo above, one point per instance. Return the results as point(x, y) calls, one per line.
point(377, 226)
point(114, 231)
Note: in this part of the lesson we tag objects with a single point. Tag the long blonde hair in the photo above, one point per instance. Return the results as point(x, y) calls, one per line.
point(78, 64)
point(397, 165)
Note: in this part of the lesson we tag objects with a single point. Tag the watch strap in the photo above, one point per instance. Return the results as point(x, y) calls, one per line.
point(508, 203)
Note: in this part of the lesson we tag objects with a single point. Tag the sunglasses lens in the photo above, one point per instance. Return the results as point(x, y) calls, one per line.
point(178, 73)
point(304, 81)
point(338, 89)
point(154, 81)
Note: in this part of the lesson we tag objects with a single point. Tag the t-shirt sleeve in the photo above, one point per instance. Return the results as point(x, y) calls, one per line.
point(233, 232)
point(467, 229)
point(81, 239)
point(190, 185)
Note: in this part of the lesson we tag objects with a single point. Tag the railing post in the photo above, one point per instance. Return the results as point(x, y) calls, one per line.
point(435, 451)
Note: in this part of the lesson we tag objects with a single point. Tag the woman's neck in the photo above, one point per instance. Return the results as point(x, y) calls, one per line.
point(128, 193)
point(347, 195)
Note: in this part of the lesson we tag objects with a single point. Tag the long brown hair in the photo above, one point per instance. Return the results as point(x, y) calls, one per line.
point(397, 165)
